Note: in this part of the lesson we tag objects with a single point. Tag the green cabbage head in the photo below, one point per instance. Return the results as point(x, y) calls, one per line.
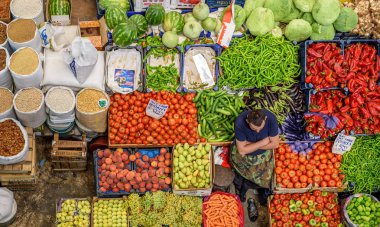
point(325, 12)
point(322, 32)
point(298, 30)
point(347, 20)
point(260, 22)
point(250, 5)
point(308, 17)
point(304, 5)
point(280, 8)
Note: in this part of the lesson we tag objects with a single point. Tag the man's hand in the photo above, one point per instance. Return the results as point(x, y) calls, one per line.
point(241, 153)
point(245, 147)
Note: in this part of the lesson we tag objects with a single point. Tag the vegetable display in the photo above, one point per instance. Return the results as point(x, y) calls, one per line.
point(124, 4)
point(129, 124)
point(307, 209)
point(217, 112)
point(140, 23)
point(263, 61)
point(293, 128)
point(363, 210)
point(162, 78)
point(307, 163)
point(361, 164)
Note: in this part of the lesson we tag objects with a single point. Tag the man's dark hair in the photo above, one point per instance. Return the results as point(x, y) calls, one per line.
point(256, 117)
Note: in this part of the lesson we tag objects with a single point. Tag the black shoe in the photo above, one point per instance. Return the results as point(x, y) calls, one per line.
point(241, 195)
point(253, 213)
point(263, 197)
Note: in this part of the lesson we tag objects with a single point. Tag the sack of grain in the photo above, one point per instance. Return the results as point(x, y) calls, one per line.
point(28, 9)
point(26, 68)
point(5, 75)
point(14, 143)
point(81, 57)
point(24, 33)
point(60, 102)
point(91, 109)
point(6, 107)
point(29, 105)
point(3, 37)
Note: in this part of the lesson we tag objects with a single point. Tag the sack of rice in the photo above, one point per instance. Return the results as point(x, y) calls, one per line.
point(60, 102)
point(28, 9)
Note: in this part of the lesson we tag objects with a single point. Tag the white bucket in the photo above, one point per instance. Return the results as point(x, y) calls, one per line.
point(34, 43)
point(66, 114)
point(5, 75)
point(32, 119)
point(24, 81)
point(5, 44)
point(10, 113)
point(38, 18)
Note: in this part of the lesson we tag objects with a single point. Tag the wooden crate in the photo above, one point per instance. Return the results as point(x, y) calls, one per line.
point(22, 175)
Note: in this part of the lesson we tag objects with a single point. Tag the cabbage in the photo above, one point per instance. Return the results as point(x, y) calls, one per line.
point(298, 30)
point(276, 32)
point(325, 12)
point(239, 16)
point(280, 8)
point(304, 5)
point(250, 5)
point(209, 24)
point(294, 14)
point(347, 20)
point(308, 17)
point(260, 22)
point(170, 39)
point(322, 32)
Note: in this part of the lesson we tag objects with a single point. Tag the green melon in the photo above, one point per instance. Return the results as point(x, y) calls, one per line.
point(124, 34)
point(115, 16)
point(59, 7)
point(124, 4)
point(140, 22)
point(155, 14)
point(173, 21)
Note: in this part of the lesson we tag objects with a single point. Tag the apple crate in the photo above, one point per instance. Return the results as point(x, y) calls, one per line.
point(97, 199)
point(59, 203)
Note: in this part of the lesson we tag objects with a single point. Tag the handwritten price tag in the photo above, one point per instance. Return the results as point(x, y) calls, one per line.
point(155, 109)
point(343, 143)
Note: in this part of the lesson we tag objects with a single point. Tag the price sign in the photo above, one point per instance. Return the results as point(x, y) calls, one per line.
point(343, 143)
point(155, 109)
point(228, 27)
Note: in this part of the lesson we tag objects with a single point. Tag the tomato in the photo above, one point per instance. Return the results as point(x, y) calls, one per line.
point(331, 183)
point(323, 184)
point(294, 179)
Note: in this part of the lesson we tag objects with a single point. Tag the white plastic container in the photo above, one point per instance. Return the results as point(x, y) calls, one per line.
point(24, 81)
point(5, 75)
point(34, 43)
point(38, 18)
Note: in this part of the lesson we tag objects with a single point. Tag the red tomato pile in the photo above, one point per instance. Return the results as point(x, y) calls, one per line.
point(304, 210)
point(320, 167)
point(128, 123)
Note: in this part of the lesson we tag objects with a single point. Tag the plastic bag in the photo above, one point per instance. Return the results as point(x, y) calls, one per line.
point(8, 205)
point(222, 156)
point(49, 34)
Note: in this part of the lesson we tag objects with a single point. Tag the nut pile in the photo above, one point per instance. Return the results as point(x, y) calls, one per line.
point(11, 138)
point(6, 100)
point(88, 101)
point(28, 100)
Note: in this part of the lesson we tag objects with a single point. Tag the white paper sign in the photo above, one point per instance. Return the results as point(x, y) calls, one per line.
point(228, 27)
point(203, 70)
point(343, 143)
point(156, 109)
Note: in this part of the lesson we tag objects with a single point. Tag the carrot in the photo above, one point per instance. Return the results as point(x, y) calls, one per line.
point(222, 210)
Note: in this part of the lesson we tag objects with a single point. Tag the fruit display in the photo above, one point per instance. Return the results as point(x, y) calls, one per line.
point(159, 208)
point(192, 166)
point(110, 212)
point(115, 16)
point(361, 210)
point(73, 212)
point(125, 33)
point(307, 209)
point(129, 124)
point(150, 171)
point(301, 164)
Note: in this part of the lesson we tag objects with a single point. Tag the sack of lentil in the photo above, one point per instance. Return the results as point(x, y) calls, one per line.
point(3, 36)
point(6, 107)
point(28, 9)
point(29, 105)
point(91, 109)
point(14, 143)
point(5, 75)
point(60, 102)
point(26, 68)
point(24, 33)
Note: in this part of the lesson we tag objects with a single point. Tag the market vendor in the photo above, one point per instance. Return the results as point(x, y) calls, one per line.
point(256, 134)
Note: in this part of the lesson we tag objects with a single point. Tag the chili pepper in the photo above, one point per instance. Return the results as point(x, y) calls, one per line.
point(365, 112)
point(313, 53)
point(344, 109)
point(348, 119)
point(360, 99)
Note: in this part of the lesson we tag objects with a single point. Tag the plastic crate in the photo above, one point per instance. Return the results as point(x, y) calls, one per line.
point(223, 3)
point(177, 4)
point(303, 58)
point(218, 51)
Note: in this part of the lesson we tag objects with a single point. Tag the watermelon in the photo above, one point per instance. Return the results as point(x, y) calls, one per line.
point(124, 34)
point(173, 21)
point(155, 14)
point(124, 4)
point(140, 22)
point(115, 16)
point(59, 7)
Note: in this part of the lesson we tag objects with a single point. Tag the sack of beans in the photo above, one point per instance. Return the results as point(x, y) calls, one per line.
point(24, 33)
point(5, 75)
point(6, 107)
point(14, 144)
point(91, 109)
point(29, 105)
point(26, 68)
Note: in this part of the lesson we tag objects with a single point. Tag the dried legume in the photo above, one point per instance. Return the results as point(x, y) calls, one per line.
point(26, 8)
point(6, 99)
point(60, 100)
point(3, 59)
point(24, 61)
point(28, 100)
point(11, 138)
point(88, 101)
point(3, 33)
point(22, 30)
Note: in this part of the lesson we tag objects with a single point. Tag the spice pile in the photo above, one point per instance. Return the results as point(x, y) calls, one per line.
point(6, 100)
point(4, 10)
point(3, 59)
point(88, 101)
point(22, 30)
point(24, 61)
point(28, 100)
point(60, 100)
point(11, 138)
point(3, 33)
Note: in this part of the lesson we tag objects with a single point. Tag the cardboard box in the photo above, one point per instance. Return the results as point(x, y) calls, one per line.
point(5, 6)
point(196, 191)
point(62, 20)
point(95, 31)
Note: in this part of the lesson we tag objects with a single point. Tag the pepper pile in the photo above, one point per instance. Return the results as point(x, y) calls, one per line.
point(307, 209)
point(162, 78)
point(364, 211)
